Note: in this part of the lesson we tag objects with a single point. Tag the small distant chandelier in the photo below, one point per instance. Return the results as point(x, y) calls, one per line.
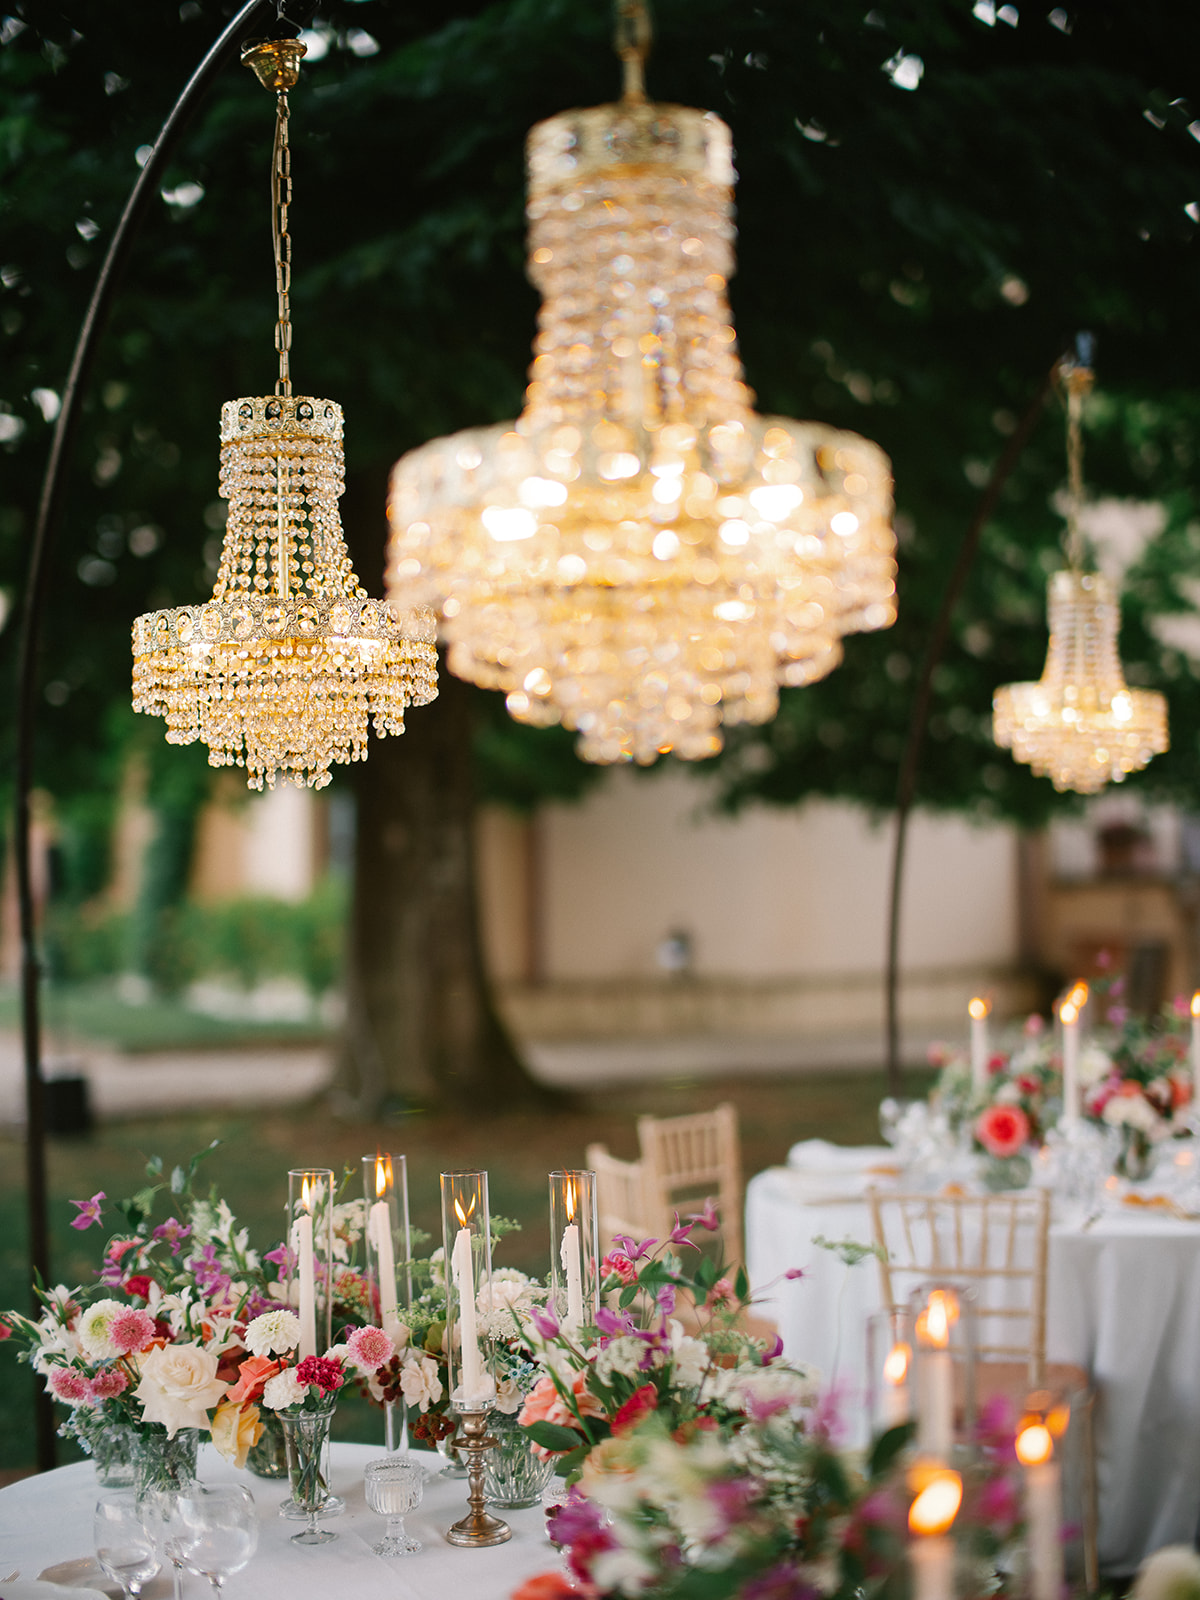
point(280, 670)
point(1081, 726)
point(640, 556)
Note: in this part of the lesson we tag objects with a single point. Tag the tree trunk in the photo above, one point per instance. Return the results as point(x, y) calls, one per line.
point(422, 1026)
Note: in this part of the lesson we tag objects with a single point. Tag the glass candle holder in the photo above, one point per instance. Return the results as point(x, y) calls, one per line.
point(385, 1189)
point(467, 1237)
point(890, 1368)
point(943, 1343)
point(310, 1255)
point(574, 1237)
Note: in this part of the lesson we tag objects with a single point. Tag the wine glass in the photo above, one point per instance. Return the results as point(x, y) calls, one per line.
point(213, 1532)
point(394, 1486)
point(155, 1506)
point(124, 1548)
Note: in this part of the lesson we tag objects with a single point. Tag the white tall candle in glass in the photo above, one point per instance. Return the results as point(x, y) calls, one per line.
point(935, 1376)
point(931, 1553)
point(569, 1253)
point(379, 1230)
point(893, 1397)
point(463, 1270)
point(932, 1561)
point(1068, 1014)
point(305, 1271)
point(1043, 1511)
point(978, 1010)
point(1196, 1052)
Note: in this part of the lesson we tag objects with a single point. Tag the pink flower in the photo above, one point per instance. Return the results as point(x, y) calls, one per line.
point(619, 1266)
point(89, 1210)
point(252, 1378)
point(1003, 1130)
point(327, 1375)
point(131, 1329)
point(65, 1383)
point(1034, 1026)
point(109, 1382)
point(370, 1348)
point(635, 1408)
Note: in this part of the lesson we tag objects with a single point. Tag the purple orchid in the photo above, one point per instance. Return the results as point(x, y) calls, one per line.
point(707, 1218)
point(681, 1233)
point(666, 1299)
point(773, 1352)
point(631, 1248)
point(282, 1257)
point(173, 1231)
point(89, 1210)
point(211, 1279)
point(793, 1273)
point(545, 1321)
point(613, 1323)
point(732, 1498)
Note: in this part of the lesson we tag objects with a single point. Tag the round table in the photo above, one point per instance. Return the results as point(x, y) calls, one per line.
point(47, 1520)
point(1123, 1302)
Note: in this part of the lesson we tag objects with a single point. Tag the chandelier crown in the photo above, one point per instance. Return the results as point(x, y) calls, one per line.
point(641, 556)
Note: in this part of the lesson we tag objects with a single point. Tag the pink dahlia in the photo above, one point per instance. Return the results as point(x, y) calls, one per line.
point(109, 1382)
point(370, 1348)
point(131, 1329)
point(1003, 1130)
point(65, 1383)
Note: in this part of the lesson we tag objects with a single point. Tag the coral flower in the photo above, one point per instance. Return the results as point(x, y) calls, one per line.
point(1003, 1130)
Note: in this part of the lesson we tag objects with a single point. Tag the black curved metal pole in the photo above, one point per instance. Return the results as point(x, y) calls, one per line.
point(906, 783)
point(45, 526)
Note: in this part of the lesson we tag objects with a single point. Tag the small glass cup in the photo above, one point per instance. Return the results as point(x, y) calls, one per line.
point(394, 1486)
point(125, 1548)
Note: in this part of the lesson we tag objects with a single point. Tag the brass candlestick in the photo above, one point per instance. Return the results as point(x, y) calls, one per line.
point(478, 1528)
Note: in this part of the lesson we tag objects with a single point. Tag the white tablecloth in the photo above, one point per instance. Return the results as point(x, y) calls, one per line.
point(48, 1519)
point(1123, 1301)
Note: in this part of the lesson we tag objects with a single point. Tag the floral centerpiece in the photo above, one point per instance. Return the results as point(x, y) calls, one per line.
point(1139, 1082)
point(703, 1464)
point(147, 1354)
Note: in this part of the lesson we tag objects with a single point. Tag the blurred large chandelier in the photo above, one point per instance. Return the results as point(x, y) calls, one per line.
point(640, 556)
point(279, 672)
point(1081, 726)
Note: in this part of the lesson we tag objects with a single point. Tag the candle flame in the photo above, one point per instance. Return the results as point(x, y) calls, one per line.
point(306, 1193)
point(1034, 1445)
point(936, 1507)
point(895, 1366)
point(979, 1008)
point(383, 1175)
point(938, 1317)
point(571, 1202)
point(1196, 1004)
point(1068, 1013)
point(1079, 996)
point(464, 1216)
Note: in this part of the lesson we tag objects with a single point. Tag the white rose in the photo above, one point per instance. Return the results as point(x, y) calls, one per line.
point(1132, 1109)
point(691, 1358)
point(178, 1386)
point(509, 1398)
point(283, 1390)
point(1094, 1065)
point(420, 1381)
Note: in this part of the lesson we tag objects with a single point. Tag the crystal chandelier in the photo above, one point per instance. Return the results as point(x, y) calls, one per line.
point(640, 556)
point(280, 670)
point(1081, 726)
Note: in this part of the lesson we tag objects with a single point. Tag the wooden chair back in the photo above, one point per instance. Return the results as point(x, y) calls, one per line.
point(994, 1244)
point(687, 1160)
point(620, 1196)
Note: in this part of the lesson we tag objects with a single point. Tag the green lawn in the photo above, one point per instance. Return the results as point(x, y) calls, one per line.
point(518, 1149)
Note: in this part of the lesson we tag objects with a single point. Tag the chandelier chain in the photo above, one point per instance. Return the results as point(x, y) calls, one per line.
point(632, 44)
point(1077, 380)
point(281, 196)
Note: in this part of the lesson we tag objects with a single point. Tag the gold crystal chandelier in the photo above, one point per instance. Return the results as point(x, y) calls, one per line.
point(1081, 726)
point(640, 556)
point(281, 669)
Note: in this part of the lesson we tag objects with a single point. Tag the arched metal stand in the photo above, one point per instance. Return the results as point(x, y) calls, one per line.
point(48, 515)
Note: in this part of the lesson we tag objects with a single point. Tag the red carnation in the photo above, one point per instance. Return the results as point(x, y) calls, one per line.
point(138, 1285)
point(327, 1375)
point(639, 1403)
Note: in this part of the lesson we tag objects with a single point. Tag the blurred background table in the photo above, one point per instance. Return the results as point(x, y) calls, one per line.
point(1123, 1302)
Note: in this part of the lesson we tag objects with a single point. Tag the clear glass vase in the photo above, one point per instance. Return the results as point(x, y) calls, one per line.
point(452, 1466)
point(165, 1464)
point(513, 1476)
point(1007, 1172)
point(114, 1447)
point(306, 1443)
point(1135, 1159)
point(268, 1458)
